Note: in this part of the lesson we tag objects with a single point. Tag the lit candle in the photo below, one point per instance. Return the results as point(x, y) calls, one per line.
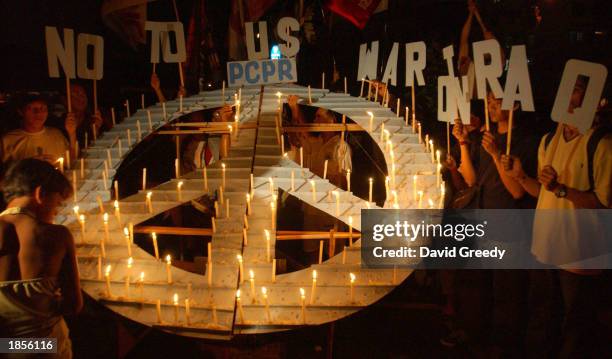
point(61, 164)
point(252, 280)
point(113, 118)
point(149, 201)
point(292, 181)
point(350, 225)
point(109, 158)
point(107, 277)
point(241, 267)
point(264, 293)
point(442, 193)
point(273, 270)
point(395, 198)
point(175, 301)
point(420, 133)
point(248, 201)
point(371, 120)
point(223, 175)
point(438, 157)
point(158, 310)
point(117, 211)
point(309, 95)
point(180, 103)
point(82, 222)
point(325, 169)
point(323, 80)
point(406, 116)
point(213, 222)
point(352, 281)
point(252, 184)
point(371, 181)
point(414, 187)
point(179, 186)
point(129, 137)
point(314, 191)
point(99, 267)
point(397, 108)
point(433, 153)
point(337, 195)
point(320, 252)
point(177, 169)
point(267, 233)
point(344, 255)
point(127, 107)
point(130, 262)
point(155, 248)
point(314, 286)
point(303, 302)
point(168, 272)
point(82, 167)
point(239, 304)
point(361, 91)
point(138, 130)
point(273, 213)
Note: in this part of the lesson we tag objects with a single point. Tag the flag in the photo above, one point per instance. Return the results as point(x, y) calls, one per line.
point(357, 12)
point(127, 19)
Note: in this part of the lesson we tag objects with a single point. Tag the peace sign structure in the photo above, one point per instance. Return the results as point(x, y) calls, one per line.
point(208, 306)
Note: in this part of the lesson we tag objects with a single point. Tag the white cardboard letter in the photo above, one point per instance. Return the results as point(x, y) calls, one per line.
point(488, 73)
point(368, 60)
point(455, 98)
point(283, 28)
point(160, 32)
point(97, 42)
point(56, 51)
point(391, 68)
point(582, 118)
point(518, 86)
point(264, 51)
point(416, 60)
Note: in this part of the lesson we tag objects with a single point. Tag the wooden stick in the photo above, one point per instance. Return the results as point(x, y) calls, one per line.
point(448, 138)
point(486, 105)
point(95, 96)
point(509, 138)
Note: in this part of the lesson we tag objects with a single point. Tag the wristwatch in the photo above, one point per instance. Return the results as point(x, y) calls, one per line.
point(561, 191)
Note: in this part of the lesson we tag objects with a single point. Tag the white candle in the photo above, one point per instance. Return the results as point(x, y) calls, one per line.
point(348, 180)
point(116, 186)
point(74, 186)
point(113, 116)
point(61, 164)
point(314, 191)
point(109, 157)
point(292, 181)
point(325, 169)
point(175, 301)
point(180, 103)
point(433, 153)
point(129, 137)
point(309, 95)
point(337, 195)
point(119, 148)
point(398, 108)
point(352, 281)
point(361, 91)
point(414, 187)
point(267, 233)
point(252, 184)
point(344, 255)
point(130, 262)
point(82, 168)
point(144, 178)
point(227, 208)
point(350, 225)
point(177, 169)
point(138, 131)
point(179, 186)
point(323, 80)
point(241, 268)
point(420, 199)
point(273, 213)
point(127, 108)
point(406, 116)
point(209, 271)
point(303, 301)
point(314, 286)
point(126, 234)
point(205, 174)
point(155, 248)
point(371, 182)
point(273, 270)
point(252, 281)
point(107, 277)
point(239, 304)
point(302, 157)
point(158, 310)
point(149, 201)
point(187, 313)
point(213, 223)
point(223, 175)
point(248, 201)
point(264, 293)
point(320, 252)
point(420, 133)
point(82, 221)
point(150, 121)
point(168, 271)
point(271, 184)
point(105, 221)
point(371, 120)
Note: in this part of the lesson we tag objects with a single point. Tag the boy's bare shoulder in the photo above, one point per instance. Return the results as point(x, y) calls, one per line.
point(57, 232)
point(8, 236)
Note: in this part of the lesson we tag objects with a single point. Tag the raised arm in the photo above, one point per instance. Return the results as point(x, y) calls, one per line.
point(467, 167)
point(464, 42)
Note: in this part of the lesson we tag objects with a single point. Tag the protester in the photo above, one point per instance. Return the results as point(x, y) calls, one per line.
point(86, 122)
point(33, 138)
point(575, 171)
point(38, 268)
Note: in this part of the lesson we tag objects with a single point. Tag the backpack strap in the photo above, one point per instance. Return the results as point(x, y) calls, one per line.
point(596, 136)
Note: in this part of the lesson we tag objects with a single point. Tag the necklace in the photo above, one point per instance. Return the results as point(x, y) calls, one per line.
point(18, 210)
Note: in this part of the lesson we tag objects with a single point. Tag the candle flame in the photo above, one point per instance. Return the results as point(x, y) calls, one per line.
point(267, 232)
point(370, 113)
point(76, 210)
point(314, 274)
point(130, 262)
point(175, 298)
point(238, 294)
point(105, 218)
point(179, 185)
point(431, 204)
point(149, 195)
point(107, 270)
point(264, 291)
point(371, 180)
point(126, 232)
point(251, 274)
point(141, 277)
point(350, 220)
point(239, 257)
point(352, 277)
point(223, 166)
point(82, 218)
point(168, 259)
point(154, 235)
point(302, 293)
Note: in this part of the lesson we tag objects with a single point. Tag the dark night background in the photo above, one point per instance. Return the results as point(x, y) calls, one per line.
point(405, 324)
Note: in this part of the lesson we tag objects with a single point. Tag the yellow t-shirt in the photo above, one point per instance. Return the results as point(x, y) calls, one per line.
point(19, 144)
point(560, 236)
